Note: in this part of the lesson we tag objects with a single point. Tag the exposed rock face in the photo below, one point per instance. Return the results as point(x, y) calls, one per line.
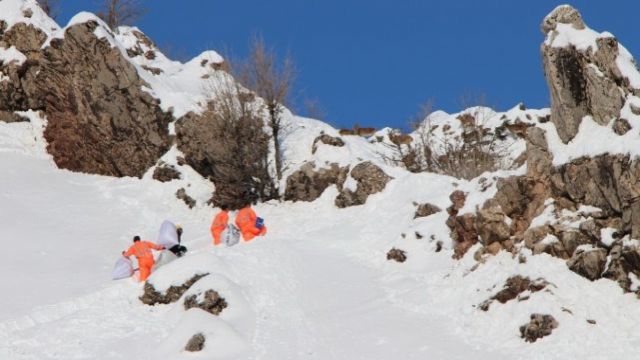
point(463, 228)
point(211, 302)
point(397, 255)
point(326, 139)
point(513, 288)
point(151, 296)
point(623, 260)
point(581, 81)
point(196, 343)
point(308, 183)
point(609, 182)
point(425, 210)
point(99, 119)
point(589, 264)
point(539, 327)
point(370, 178)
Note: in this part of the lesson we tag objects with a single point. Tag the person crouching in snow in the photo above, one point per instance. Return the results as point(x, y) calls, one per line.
point(219, 224)
point(142, 251)
point(249, 223)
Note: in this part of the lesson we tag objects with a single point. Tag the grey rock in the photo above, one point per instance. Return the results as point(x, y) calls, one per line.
point(309, 182)
point(371, 180)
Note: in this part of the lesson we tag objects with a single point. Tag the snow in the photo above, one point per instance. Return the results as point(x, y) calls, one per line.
point(592, 140)
point(566, 35)
point(606, 236)
point(627, 66)
point(12, 54)
point(13, 12)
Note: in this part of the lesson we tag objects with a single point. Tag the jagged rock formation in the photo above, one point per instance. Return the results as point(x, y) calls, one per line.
point(370, 180)
point(308, 183)
point(599, 195)
point(583, 80)
point(99, 118)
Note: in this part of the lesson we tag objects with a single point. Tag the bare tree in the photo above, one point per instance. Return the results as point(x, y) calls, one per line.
point(313, 109)
point(241, 150)
point(50, 7)
point(271, 80)
point(121, 12)
point(463, 152)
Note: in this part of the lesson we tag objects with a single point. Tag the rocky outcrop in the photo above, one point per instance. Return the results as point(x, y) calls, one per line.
point(210, 301)
point(589, 263)
point(582, 80)
point(151, 296)
point(326, 139)
point(539, 327)
point(99, 119)
point(370, 180)
point(308, 183)
point(513, 288)
point(464, 232)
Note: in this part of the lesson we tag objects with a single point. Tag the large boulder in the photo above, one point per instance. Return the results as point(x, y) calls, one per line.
point(589, 263)
point(370, 180)
point(583, 79)
point(309, 182)
point(99, 118)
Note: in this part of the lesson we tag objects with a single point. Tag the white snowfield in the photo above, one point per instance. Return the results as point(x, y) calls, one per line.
point(317, 286)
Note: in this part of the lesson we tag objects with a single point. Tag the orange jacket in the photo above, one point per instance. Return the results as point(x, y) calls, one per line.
point(142, 250)
point(218, 225)
point(246, 222)
point(246, 218)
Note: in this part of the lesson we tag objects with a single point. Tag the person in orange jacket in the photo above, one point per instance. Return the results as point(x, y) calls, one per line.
point(142, 251)
point(219, 224)
point(246, 222)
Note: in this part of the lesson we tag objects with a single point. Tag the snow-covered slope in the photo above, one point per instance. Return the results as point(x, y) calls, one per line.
point(317, 286)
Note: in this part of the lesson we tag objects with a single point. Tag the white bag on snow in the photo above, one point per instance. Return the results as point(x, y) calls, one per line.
point(164, 258)
point(230, 235)
point(123, 269)
point(168, 236)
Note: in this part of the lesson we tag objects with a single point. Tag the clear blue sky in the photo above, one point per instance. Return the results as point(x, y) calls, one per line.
point(373, 61)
